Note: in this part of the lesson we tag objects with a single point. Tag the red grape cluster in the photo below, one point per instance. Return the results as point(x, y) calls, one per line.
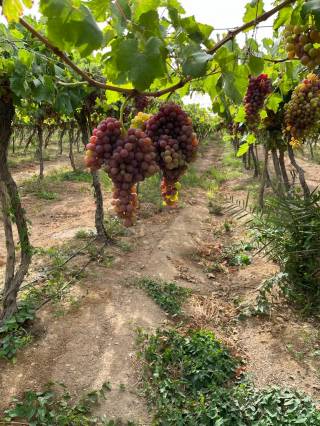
point(259, 88)
point(176, 143)
point(141, 102)
point(102, 142)
point(128, 159)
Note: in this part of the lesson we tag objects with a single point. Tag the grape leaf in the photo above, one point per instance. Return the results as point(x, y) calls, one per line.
point(196, 31)
point(144, 6)
point(312, 7)
point(241, 115)
point(71, 25)
point(12, 10)
point(256, 65)
point(196, 64)
point(253, 10)
point(273, 102)
point(243, 149)
point(141, 67)
point(247, 141)
point(283, 17)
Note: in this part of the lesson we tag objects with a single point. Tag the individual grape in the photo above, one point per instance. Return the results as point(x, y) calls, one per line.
point(259, 88)
point(302, 112)
point(172, 132)
point(302, 43)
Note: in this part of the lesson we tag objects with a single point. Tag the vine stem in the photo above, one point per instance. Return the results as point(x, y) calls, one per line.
point(230, 36)
point(124, 104)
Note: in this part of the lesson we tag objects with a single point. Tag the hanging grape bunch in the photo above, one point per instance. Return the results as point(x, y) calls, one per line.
point(259, 88)
point(301, 43)
point(139, 121)
point(302, 112)
point(176, 143)
point(141, 102)
point(128, 159)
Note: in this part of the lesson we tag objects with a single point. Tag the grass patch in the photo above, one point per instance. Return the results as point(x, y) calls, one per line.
point(44, 188)
point(40, 189)
point(192, 179)
point(149, 191)
point(230, 160)
point(167, 295)
point(83, 234)
point(114, 227)
point(191, 379)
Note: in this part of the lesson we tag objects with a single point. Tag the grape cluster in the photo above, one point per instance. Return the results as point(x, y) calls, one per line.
point(301, 43)
point(170, 191)
point(172, 132)
point(259, 88)
point(141, 102)
point(102, 142)
point(128, 160)
point(139, 121)
point(302, 112)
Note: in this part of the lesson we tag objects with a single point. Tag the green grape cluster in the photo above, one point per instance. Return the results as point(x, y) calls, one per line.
point(302, 112)
point(301, 42)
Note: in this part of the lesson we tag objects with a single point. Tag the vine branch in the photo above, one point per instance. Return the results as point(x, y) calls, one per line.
point(155, 94)
point(253, 23)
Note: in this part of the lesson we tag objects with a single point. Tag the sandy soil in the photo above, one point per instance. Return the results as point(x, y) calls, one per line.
point(95, 341)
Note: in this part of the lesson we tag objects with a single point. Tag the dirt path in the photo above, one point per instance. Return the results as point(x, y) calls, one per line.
point(95, 342)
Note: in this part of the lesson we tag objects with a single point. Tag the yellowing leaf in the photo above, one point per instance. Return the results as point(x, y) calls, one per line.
point(27, 3)
point(12, 10)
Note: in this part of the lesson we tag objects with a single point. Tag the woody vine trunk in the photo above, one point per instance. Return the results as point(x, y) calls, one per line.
point(99, 215)
point(12, 211)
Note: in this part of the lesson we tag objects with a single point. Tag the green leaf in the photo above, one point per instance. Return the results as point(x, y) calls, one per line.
point(247, 141)
point(251, 138)
point(243, 149)
point(113, 97)
point(312, 7)
point(273, 102)
point(235, 83)
point(144, 6)
point(12, 10)
point(256, 65)
point(26, 57)
point(196, 31)
point(141, 67)
point(283, 17)
point(253, 10)
point(210, 86)
point(196, 64)
point(71, 25)
point(43, 90)
point(241, 115)
point(99, 9)
point(263, 114)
